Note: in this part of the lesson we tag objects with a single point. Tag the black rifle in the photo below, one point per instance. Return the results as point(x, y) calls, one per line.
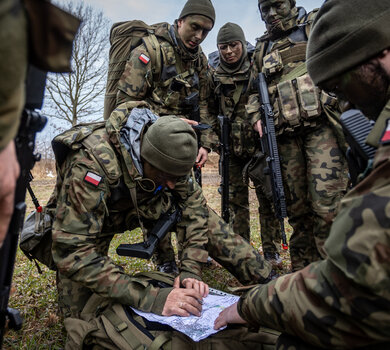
point(31, 123)
point(224, 166)
point(360, 156)
point(270, 148)
point(146, 249)
point(193, 101)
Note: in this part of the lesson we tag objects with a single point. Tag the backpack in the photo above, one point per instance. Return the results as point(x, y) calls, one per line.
point(125, 37)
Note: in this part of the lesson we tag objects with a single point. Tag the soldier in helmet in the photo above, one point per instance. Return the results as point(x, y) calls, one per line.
point(166, 89)
point(229, 95)
point(313, 166)
point(342, 302)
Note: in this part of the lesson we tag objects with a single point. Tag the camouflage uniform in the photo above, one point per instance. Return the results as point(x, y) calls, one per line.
point(181, 73)
point(88, 215)
point(313, 167)
point(344, 300)
point(13, 65)
point(244, 143)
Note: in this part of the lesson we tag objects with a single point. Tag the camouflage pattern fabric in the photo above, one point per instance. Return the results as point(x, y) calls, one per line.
point(244, 143)
point(313, 168)
point(89, 213)
point(13, 66)
point(342, 301)
point(182, 73)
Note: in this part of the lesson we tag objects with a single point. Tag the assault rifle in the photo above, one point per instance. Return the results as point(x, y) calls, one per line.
point(146, 249)
point(31, 123)
point(224, 166)
point(270, 148)
point(193, 101)
point(360, 156)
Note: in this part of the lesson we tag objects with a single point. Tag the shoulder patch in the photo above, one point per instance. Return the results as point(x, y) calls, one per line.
point(92, 178)
point(143, 58)
point(385, 139)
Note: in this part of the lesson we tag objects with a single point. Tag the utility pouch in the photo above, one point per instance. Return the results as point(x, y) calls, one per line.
point(52, 32)
point(36, 239)
point(308, 95)
point(272, 63)
point(288, 103)
point(243, 142)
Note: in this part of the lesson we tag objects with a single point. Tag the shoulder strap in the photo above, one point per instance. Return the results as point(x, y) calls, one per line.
point(154, 49)
point(298, 71)
point(259, 53)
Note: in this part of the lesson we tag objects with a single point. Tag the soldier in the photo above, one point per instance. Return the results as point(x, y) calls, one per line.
point(229, 84)
point(123, 174)
point(343, 301)
point(182, 73)
point(313, 166)
point(13, 67)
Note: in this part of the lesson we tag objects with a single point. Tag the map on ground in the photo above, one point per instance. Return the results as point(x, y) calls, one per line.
point(197, 328)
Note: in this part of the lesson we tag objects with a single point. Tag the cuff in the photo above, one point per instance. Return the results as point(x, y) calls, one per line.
point(161, 298)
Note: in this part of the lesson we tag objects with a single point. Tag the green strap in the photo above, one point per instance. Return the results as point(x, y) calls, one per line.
point(160, 341)
point(153, 47)
point(157, 276)
point(298, 71)
point(122, 328)
point(237, 93)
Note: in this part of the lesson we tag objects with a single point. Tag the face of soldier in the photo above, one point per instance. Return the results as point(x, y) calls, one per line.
point(193, 30)
point(159, 177)
point(364, 87)
point(274, 11)
point(231, 52)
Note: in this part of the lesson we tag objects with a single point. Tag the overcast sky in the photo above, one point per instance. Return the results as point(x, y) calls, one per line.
point(243, 12)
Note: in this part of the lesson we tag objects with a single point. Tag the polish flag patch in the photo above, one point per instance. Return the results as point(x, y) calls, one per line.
point(144, 59)
point(385, 139)
point(93, 178)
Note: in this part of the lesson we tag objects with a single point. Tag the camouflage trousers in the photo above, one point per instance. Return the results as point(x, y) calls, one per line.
point(230, 250)
point(289, 342)
point(239, 208)
point(315, 176)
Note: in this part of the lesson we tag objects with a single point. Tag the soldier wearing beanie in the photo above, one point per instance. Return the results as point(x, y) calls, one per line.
point(118, 176)
point(342, 302)
point(314, 168)
point(232, 64)
point(164, 78)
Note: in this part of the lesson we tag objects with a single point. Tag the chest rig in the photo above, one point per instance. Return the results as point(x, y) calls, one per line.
point(178, 81)
point(296, 100)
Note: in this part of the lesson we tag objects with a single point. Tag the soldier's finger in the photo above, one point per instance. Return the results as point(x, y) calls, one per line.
point(176, 283)
point(191, 309)
point(195, 303)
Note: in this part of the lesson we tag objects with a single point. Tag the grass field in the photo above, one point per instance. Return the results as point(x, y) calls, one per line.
point(34, 294)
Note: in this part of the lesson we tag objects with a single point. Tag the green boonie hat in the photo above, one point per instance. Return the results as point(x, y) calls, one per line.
point(170, 145)
point(198, 7)
point(230, 32)
point(346, 34)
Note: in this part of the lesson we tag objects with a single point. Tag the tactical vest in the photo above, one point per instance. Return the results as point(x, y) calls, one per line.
point(178, 79)
point(232, 94)
point(297, 102)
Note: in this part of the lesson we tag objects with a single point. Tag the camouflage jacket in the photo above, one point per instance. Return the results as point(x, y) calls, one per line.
point(181, 74)
point(229, 95)
point(95, 174)
point(297, 103)
point(343, 301)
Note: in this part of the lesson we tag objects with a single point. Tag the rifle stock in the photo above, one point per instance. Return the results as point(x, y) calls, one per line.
point(224, 166)
point(270, 148)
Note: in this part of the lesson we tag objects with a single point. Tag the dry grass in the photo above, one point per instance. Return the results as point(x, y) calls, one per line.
point(34, 295)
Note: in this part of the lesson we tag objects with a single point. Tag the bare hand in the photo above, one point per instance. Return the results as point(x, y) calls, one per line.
point(201, 287)
point(258, 127)
point(9, 172)
point(190, 121)
point(182, 301)
point(229, 315)
point(202, 157)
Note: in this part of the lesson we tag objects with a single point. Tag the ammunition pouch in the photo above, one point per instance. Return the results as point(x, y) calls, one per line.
point(243, 139)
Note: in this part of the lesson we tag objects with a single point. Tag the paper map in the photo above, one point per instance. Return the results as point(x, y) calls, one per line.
point(197, 328)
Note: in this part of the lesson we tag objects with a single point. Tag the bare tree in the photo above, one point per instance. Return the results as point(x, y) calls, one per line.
point(78, 96)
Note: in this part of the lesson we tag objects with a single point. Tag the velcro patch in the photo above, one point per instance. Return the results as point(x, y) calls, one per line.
point(144, 59)
point(385, 139)
point(93, 178)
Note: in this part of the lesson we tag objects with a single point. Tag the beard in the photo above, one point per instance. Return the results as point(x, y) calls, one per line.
point(376, 83)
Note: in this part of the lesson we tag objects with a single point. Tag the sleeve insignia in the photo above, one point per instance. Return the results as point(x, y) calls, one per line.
point(144, 59)
point(93, 178)
point(385, 139)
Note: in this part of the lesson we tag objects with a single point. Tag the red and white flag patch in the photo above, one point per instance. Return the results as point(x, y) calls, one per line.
point(144, 59)
point(385, 139)
point(93, 178)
